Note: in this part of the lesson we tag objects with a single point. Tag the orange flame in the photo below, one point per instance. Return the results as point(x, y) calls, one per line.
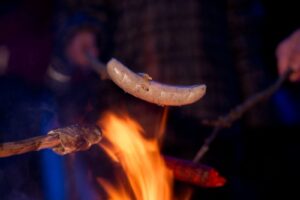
point(140, 158)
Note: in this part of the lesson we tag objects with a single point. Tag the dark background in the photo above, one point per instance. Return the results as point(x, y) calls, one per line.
point(268, 163)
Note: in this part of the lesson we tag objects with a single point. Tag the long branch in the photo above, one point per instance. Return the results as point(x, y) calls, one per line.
point(33, 144)
point(237, 112)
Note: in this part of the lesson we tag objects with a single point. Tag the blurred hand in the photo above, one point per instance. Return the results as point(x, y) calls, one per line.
point(288, 55)
point(81, 44)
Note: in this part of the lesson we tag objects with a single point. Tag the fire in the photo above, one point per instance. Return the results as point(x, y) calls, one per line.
point(146, 172)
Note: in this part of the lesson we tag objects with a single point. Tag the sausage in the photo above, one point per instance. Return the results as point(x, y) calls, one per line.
point(142, 86)
point(194, 173)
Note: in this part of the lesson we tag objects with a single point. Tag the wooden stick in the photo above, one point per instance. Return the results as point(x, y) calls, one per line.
point(98, 66)
point(240, 110)
point(237, 112)
point(24, 146)
point(62, 141)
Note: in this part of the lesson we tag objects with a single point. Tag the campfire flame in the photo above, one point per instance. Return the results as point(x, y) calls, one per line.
point(146, 172)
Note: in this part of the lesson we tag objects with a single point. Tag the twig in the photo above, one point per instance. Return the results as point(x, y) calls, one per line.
point(28, 145)
point(98, 66)
point(62, 141)
point(206, 144)
point(237, 112)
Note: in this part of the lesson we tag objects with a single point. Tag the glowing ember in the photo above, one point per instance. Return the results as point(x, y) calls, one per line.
point(140, 158)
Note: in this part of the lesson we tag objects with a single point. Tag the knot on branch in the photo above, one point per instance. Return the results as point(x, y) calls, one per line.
point(76, 138)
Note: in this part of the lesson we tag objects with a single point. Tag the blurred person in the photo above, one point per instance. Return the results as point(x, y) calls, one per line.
point(180, 42)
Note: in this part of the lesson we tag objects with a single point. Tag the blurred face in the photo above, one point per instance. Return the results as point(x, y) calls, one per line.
point(82, 43)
